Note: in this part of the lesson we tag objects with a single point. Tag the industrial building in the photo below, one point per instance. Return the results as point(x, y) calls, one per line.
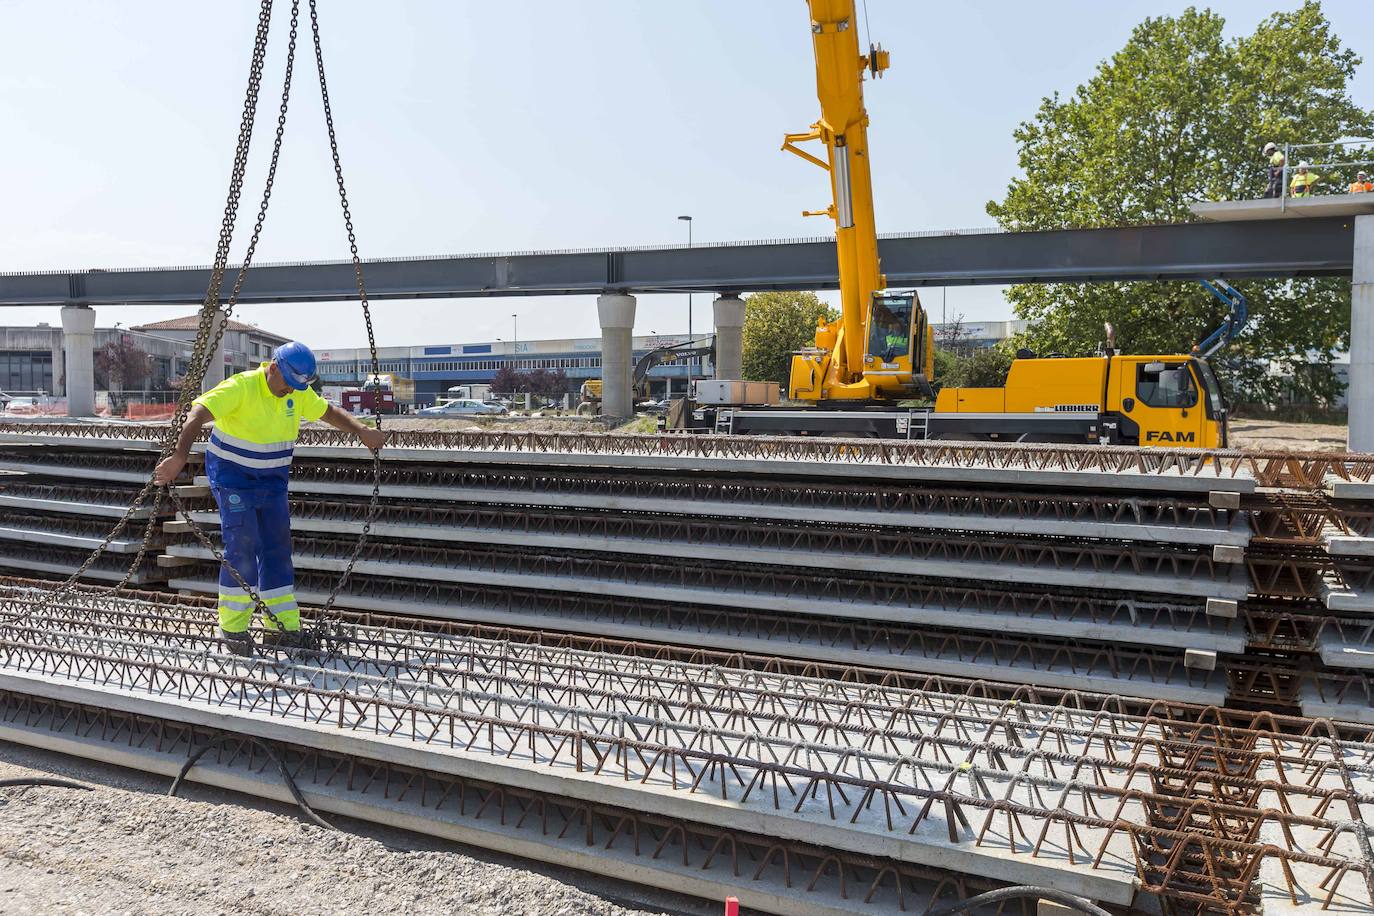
point(35, 361)
point(32, 358)
point(245, 345)
point(437, 367)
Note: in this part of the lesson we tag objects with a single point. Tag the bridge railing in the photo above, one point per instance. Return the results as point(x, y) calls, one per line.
point(1336, 165)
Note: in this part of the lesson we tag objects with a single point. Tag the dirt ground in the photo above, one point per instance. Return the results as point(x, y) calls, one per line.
point(126, 849)
point(1267, 435)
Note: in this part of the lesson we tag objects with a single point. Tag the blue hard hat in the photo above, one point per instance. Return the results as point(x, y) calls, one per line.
point(297, 364)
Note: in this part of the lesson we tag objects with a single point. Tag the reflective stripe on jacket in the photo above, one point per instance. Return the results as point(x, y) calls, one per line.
point(255, 431)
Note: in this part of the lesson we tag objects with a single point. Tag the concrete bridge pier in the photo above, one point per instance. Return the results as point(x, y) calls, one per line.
point(214, 370)
point(1360, 393)
point(729, 313)
point(78, 359)
point(617, 314)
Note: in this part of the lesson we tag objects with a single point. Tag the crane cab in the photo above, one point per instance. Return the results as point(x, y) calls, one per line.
point(899, 347)
point(898, 351)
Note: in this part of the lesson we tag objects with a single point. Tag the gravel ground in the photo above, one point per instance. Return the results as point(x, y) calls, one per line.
point(127, 849)
point(1301, 437)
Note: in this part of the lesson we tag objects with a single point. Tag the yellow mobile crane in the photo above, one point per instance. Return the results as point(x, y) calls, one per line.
point(893, 359)
point(881, 350)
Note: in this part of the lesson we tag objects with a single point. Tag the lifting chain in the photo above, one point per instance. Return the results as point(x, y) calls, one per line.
point(328, 627)
point(212, 325)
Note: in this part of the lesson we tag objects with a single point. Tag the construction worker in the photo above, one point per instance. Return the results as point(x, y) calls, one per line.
point(1303, 180)
point(257, 416)
point(1361, 184)
point(1276, 161)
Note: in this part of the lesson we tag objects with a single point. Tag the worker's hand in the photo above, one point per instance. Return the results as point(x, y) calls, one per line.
point(373, 438)
point(168, 469)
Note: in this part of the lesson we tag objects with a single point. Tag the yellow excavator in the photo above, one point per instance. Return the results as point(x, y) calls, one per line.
point(881, 351)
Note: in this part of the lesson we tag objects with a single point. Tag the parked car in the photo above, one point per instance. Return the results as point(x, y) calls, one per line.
point(463, 407)
point(653, 406)
point(22, 405)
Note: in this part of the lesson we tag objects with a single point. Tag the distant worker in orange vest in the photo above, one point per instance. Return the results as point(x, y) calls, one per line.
point(1276, 161)
point(1361, 184)
point(1303, 180)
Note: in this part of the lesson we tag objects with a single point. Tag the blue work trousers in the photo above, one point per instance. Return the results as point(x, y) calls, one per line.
point(255, 525)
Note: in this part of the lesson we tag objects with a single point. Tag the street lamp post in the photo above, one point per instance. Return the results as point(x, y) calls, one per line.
point(515, 329)
point(688, 221)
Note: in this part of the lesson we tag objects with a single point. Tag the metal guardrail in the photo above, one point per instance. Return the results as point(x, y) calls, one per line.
point(1347, 167)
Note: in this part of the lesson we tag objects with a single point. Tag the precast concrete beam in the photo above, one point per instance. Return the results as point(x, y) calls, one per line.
point(1236, 534)
point(68, 507)
point(1205, 633)
point(1361, 383)
point(1159, 482)
point(1230, 583)
point(78, 359)
point(527, 840)
point(27, 566)
point(65, 539)
point(729, 315)
point(1337, 651)
point(616, 312)
point(1354, 707)
point(1191, 686)
point(40, 469)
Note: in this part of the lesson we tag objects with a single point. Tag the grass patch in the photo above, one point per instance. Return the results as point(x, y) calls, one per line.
point(638, 425)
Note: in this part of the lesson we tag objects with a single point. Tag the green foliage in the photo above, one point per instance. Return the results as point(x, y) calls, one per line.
point(946, 369)
point(982, 368)
point(1181, 114)
point(776, 325)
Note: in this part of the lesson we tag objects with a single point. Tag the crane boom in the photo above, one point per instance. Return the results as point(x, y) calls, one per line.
point(852, 361)
point(880, 349)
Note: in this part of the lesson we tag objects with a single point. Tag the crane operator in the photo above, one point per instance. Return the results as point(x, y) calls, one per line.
point(257, 416)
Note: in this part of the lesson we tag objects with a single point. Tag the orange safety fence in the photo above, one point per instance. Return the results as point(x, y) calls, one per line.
point(140, 411)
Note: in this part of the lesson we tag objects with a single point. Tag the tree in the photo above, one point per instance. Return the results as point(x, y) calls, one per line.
point(508, 380)
point(981, 367)
point(544, 382)
point(548, 383)
point(776, 325)
point(121, 365)
point(1180, 114)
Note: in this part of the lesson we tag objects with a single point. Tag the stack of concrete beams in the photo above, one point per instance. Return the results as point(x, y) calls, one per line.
point(1181, 577)
point(805, 794)
point(58, 504)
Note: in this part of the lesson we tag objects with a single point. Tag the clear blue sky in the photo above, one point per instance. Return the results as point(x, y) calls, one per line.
point(518, 124)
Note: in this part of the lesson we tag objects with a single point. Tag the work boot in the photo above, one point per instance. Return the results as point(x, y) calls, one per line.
point(282, 639)
point(237, 643)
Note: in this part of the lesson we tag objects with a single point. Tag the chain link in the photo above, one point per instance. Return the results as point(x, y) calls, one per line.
point(329, 627)
point(210, 350)
point(214, 320)
point(196, 367)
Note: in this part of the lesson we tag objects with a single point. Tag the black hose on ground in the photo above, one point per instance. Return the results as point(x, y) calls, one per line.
point(272, 755)
point(42, 781)
point(1064, 898)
